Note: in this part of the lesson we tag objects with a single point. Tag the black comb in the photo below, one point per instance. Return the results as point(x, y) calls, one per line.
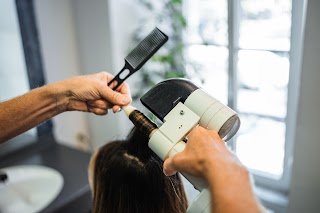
point(140, 55)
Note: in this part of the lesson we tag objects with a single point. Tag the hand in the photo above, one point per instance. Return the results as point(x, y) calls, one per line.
point(207, 156)
point(90, 93)
point(205, 152)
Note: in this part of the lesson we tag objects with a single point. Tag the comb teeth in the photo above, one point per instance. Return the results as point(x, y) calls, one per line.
point(146, 48)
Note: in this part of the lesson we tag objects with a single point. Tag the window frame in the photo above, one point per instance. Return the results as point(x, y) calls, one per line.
point(32, 53)
point(264, 180)
point(295, 57)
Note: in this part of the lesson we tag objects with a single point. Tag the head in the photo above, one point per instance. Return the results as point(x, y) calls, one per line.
point(126, 176)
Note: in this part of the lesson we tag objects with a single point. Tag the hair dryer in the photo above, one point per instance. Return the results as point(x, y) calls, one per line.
point(181, 105)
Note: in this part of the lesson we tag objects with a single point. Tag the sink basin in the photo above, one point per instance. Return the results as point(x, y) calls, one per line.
point(29, 188)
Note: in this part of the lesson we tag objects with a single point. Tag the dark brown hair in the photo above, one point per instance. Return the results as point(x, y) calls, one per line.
point(128, 177)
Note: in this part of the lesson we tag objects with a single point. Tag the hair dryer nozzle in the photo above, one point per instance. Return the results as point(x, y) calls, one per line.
point(142, 122)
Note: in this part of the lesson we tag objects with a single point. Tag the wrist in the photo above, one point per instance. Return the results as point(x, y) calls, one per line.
point(221, 173)
point(233, 182)
point(60, 95)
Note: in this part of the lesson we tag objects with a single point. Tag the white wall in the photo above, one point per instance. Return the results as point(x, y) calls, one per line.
point(305, 182)
point(93, 40)
point(103, 31)
point(79, 37)
point(61, 60)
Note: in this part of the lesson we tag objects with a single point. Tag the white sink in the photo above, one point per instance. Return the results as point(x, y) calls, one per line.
point(29, 188)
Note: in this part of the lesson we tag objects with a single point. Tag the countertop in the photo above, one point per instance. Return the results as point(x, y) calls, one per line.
point(71, 163)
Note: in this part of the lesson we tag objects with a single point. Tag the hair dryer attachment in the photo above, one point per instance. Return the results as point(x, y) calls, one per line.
point(230, 128)
point(164, 96)
point(140, 121)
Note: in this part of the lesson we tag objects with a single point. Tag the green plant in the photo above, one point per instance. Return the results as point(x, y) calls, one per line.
point(169, 62)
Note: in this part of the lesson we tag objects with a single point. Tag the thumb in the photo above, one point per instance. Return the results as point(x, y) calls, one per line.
point(170, 166)
point(115, 97)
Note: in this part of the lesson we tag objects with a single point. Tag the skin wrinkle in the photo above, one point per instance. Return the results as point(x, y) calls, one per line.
point(115, 96)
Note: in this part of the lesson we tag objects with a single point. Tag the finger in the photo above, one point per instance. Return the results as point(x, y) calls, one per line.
point(168, 167)
point(113, 84)
point(119, 97)
point(115, 97)
point(116, 109)
point(124, 89)
point(107, 77)
point(102, 104)
point(77, 105)
point(97, 111)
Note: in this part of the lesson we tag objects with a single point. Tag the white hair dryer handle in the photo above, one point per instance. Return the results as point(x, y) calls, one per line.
point(201, 204)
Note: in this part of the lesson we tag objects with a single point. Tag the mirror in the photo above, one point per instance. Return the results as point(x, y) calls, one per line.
point(20, 62)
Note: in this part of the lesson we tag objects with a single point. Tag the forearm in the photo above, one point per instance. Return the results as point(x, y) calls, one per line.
point(27, 111)
point(234, 192)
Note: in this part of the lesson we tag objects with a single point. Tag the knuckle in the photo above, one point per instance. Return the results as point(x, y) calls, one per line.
point(101, 104)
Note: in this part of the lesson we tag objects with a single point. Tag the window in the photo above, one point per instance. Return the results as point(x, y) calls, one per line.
point(20, 63)
point(242, 49)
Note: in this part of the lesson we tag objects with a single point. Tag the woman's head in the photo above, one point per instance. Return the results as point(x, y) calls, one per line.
point(126, 176)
